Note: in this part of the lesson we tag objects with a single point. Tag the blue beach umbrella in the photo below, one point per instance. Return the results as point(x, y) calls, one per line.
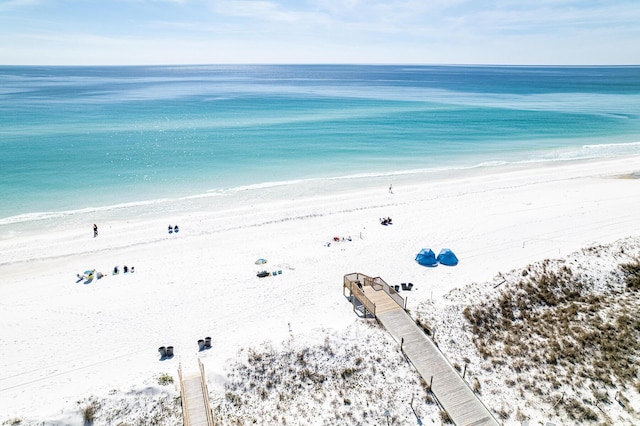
point(426, 257)
point(447, 257)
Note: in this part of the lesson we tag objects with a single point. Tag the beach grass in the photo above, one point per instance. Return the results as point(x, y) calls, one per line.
point(568, 331)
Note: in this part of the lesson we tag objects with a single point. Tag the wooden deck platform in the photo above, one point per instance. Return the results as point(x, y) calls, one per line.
point(375, 294)
point(452, 392)
point(381, 300)
point(195, 399)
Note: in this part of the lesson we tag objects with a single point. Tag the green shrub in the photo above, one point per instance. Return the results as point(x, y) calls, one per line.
point(165, 379)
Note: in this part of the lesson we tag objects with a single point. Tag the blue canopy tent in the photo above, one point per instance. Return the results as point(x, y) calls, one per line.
point(426, 257)
point(447, 257)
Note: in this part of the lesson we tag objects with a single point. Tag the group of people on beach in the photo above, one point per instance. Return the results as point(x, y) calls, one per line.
point(88, 275)
point(172, 229)
point(125, 269)
point(339, 239)
point(386, 221)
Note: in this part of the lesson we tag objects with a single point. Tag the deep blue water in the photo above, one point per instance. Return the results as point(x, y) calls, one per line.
point(76, 138)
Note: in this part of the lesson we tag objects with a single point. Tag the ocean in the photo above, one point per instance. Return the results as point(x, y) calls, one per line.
point(118, 141)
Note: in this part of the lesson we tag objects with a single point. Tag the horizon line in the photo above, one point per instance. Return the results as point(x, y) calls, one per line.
point(424, 64)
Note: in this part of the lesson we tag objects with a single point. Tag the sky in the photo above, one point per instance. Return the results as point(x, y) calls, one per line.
point(142, 32)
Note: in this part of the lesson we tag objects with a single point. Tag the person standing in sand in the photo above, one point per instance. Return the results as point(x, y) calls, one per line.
point(95, 230)
point(391, 189)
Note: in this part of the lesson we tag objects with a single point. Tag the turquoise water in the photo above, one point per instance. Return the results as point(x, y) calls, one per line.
point(94, 138)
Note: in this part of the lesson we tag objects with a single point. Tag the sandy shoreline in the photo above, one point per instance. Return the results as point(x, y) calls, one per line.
point(65, 341)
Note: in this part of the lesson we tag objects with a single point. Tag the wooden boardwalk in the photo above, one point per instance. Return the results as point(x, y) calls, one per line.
point(195, 399)
point(452, 392)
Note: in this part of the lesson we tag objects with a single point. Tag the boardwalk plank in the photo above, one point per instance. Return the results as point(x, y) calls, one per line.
point(196, 412)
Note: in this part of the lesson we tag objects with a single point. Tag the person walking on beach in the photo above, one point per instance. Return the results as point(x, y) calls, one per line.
point(391, 189)
point(95, 230)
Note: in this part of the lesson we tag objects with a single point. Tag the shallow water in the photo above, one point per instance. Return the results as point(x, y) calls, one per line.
point(81, 143)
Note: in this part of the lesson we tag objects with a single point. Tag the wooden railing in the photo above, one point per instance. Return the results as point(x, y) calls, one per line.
point(183, 399)
point(380, 284)
point(205, 394)
point(359, 294)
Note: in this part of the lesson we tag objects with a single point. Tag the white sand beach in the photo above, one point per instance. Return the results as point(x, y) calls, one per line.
point(65, 341)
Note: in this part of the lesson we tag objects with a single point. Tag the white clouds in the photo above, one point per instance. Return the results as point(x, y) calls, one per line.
point(255, 9)
point(262, 12)
point(373, 31)
point(17, 4)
